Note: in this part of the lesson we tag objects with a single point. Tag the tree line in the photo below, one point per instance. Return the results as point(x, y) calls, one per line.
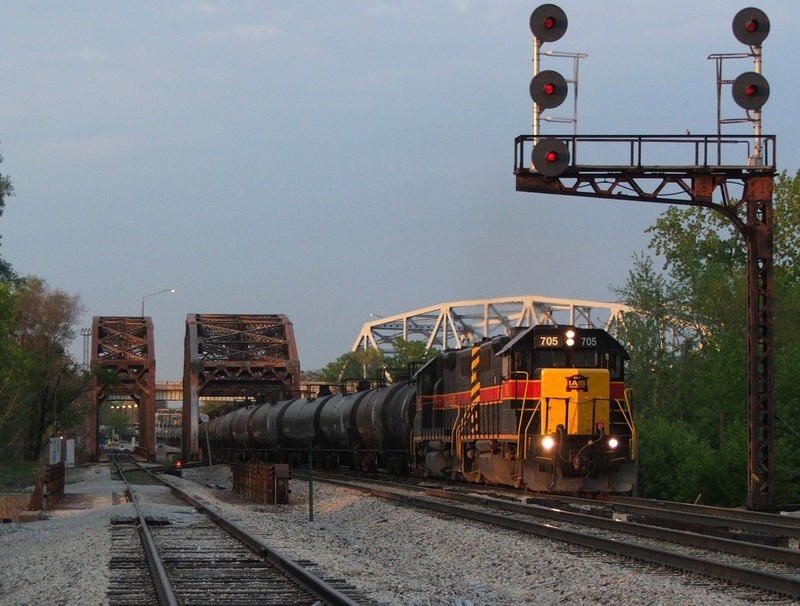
point(688, 366)
point(687, 342)
point(42, 388)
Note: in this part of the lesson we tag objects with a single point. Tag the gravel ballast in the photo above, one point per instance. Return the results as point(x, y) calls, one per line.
point(394, 554)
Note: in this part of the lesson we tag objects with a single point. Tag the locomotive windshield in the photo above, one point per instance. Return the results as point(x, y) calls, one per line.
point(554, 358)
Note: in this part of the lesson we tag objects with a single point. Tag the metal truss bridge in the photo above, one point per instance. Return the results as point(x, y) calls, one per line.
point(461, 323)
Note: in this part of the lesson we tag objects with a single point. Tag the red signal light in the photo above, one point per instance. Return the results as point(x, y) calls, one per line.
point(178, 464)
point(548, 22)
point(550, 157)
point(750, 90)
point(548, 89)
point(751, 26)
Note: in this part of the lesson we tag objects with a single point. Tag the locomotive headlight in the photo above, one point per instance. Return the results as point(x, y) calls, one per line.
point(548, 442)
point(570, 337)
point(613, 443)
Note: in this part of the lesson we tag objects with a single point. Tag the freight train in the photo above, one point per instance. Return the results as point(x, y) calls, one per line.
point(544, 408)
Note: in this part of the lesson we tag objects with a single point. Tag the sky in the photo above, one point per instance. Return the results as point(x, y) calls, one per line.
point(332, 160)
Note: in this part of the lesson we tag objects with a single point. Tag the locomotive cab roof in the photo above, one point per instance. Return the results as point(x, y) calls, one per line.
point(520, 338)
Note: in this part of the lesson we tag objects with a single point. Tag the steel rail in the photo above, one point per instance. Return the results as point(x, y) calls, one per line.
point(742, 548)
point(319, 587)
point(728, 572)
point(161, 582)
point(740, 514)
point(772, 526)
point(691, 539)
point(739, 575)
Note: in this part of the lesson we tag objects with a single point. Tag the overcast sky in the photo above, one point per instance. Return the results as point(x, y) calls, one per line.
point(332, 160)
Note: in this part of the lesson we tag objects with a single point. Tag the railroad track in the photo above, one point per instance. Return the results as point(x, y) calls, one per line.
point(199, 557)
point(746, 563)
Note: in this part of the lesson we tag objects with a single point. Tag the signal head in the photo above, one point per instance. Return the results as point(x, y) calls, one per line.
point(550, 157)
point(548, 22)
point(750, 90)
point(548, 89)
point(751, 26)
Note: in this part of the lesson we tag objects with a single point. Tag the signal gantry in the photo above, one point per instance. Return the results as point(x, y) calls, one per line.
point(706, 167)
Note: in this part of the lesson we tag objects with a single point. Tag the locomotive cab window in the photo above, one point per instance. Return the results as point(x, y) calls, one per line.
point(615, 364)
point(550, 358)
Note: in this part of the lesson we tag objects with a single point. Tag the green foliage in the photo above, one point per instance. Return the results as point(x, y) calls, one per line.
point(16, 475)
point(688, 363)
point(116, 421)
point(6, 190)
point(677, 463)
point(410, 353)
point(363, 363)
point(372, 363)
point(41, 385)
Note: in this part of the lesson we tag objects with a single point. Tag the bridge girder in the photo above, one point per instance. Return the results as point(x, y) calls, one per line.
point(235, 355)
point(123, 348)
point(455, 324)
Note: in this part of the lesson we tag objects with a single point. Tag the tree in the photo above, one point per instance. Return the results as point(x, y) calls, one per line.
point(10, 370)
point(409, 352)
point(360, 364)
point(49, 379)
point(688, 350)
point(6, 190)
point(373, 364)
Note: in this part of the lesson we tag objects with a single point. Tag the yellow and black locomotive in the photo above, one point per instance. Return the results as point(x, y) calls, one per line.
point(545, 409)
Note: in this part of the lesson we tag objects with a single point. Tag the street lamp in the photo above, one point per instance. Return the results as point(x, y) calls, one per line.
point(153, 294)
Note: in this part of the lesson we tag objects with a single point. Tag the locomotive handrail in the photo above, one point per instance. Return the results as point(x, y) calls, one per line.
point(627, 413)
point(522, 443)
point(528, 426)
point(522, 412)
point(593, 401)
point(458, 425)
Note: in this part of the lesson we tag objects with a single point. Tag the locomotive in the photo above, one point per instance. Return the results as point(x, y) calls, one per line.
point(544, 408)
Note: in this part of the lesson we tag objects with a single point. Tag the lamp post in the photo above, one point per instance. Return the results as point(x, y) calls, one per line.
point(153, 294)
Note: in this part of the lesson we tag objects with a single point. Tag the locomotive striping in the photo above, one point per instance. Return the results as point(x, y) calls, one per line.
point(509, 390)
point(475, 390)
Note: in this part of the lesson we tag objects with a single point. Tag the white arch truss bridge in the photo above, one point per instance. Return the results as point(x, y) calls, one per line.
point(458, 324)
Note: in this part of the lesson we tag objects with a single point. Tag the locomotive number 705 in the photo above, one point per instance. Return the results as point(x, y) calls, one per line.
point(557, 341)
